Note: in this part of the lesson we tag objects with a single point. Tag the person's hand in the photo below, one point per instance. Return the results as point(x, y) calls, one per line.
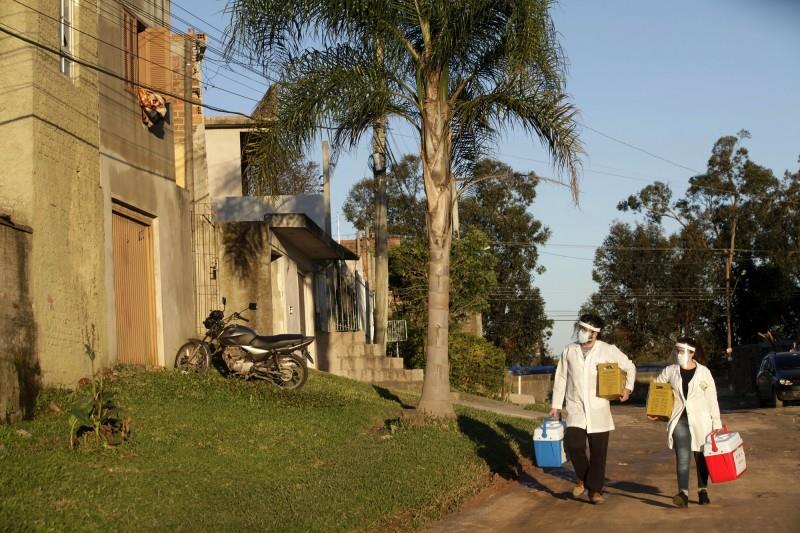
point(553, 414)
point(625, 395)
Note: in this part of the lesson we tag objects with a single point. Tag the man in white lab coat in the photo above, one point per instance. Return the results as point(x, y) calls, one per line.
point(588, 415)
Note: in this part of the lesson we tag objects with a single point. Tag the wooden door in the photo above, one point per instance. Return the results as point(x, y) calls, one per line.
point(134, 286)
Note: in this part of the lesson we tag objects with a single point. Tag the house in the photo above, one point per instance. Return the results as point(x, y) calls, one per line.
point(279, 252)
point(93, 185)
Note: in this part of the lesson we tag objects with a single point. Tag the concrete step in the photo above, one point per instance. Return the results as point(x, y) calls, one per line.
point(359, 350)
point(363, 363)
point(382, 374)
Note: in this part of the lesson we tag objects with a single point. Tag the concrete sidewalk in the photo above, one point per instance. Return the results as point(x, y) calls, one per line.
point(468, 400)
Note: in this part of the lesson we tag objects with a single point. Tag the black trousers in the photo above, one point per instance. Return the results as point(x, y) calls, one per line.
point(591, 470)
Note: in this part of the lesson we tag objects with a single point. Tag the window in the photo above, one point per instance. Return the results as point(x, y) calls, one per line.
point(131, 27)
point(146, 55)
point(66, 37)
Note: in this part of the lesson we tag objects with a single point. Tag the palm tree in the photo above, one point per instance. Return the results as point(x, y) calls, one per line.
point(461, 73)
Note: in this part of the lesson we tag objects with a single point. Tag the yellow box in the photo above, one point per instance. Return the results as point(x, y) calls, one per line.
point(660, 399)
point(610, 381)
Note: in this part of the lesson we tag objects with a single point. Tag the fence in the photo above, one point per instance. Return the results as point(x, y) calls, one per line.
point(348, 300)
point(206, 263)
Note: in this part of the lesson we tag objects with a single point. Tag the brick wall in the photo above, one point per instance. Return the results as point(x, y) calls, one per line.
point(177, 106)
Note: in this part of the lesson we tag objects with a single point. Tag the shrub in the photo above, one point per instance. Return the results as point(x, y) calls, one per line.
point(476, 365)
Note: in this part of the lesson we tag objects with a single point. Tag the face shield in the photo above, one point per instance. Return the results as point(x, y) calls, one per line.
point(683, 353)
point(586, 332)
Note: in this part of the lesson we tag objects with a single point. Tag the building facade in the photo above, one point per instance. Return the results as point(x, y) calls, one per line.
point(108, 217)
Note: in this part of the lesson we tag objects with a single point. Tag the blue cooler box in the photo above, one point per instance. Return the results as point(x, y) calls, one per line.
point(548, 444)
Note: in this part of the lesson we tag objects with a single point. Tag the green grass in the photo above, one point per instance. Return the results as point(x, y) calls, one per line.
point(224, 455)
point(541, 407)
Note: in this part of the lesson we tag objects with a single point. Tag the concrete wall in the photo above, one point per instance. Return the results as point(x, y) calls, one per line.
point(244, 272)
point(19, 367)
point(538, 388)
point(254, 208)
point(224, 156)
point(138, 171)
point(50, 182)
point(170, 208)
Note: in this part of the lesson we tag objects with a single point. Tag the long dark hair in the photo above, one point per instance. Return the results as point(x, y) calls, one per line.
point(699, 354)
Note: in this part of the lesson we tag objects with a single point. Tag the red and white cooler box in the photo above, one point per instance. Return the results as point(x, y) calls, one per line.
point(724, 454)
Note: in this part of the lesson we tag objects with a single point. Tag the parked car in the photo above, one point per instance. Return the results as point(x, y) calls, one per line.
point(778, 378)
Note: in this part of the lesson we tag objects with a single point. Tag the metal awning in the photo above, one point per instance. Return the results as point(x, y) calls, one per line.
point(307, 236)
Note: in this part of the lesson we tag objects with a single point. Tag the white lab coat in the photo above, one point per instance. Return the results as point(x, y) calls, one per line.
point(701, 405)
point(576, 382)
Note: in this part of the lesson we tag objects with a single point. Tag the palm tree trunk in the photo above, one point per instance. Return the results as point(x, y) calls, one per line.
point(435, 399)
point(381, 235)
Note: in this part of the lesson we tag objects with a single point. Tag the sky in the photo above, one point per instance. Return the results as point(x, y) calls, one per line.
point(668, 78)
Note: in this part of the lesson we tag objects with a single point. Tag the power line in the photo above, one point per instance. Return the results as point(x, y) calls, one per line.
point(634, 147)
point(152, 19)
point(137, 56)
point(107, 72)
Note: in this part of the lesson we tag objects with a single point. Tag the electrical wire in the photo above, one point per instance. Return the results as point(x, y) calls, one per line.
point(78, 60)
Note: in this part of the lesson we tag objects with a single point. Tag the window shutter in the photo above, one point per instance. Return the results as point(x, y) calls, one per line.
point(154, 59)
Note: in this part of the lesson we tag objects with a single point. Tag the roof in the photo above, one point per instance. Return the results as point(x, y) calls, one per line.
point(307, 236)
point(215, 122)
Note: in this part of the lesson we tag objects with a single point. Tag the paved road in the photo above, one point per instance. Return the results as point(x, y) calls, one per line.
point(642, 481)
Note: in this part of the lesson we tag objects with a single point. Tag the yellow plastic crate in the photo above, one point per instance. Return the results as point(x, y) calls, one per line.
point(610, 381)
point(659, 400)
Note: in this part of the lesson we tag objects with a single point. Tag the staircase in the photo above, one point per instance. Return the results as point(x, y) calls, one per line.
point(346, 354)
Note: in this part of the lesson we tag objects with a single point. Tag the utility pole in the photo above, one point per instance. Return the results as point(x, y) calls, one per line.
point(188, 140)
point(381, 231)
point(326, 186)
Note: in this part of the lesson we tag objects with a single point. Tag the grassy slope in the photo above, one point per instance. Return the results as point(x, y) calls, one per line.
point(215, 454)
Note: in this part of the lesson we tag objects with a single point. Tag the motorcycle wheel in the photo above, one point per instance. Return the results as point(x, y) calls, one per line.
point(193, 356)
point(292, 372)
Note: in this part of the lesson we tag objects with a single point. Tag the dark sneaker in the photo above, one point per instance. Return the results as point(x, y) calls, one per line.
point(596, 498)
point(703, 497)
point(680, 500)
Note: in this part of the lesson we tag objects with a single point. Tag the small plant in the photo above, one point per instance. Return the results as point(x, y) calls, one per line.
point(97, 414)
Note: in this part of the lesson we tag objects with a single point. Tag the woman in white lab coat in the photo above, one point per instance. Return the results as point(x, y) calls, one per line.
point(695, 414)
point(588, 415)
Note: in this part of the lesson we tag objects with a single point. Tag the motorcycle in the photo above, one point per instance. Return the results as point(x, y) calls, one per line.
point(239, 351)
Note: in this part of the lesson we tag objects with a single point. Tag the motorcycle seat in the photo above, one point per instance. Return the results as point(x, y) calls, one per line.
point(274, 342)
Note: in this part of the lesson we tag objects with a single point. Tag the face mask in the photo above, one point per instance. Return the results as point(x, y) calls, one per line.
point(683, 359)
point(583, 336)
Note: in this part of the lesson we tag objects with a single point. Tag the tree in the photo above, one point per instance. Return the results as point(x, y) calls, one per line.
point(460, 73)
point(734, 258)
point(472, 284)
point(406, 204)
point(497, 203)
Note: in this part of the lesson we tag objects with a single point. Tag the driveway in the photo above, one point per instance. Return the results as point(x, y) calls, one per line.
point(642, 481)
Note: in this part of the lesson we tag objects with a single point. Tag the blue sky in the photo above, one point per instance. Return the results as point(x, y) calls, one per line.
point(667, 77)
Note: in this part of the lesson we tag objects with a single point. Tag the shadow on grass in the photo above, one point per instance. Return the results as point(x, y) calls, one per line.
point(524, 439)
point(492, 447)
point(386, 394)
